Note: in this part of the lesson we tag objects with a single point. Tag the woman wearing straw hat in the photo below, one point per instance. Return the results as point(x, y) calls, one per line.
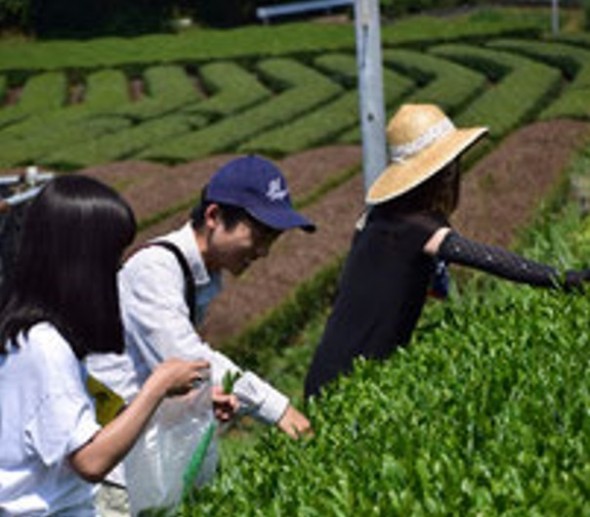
point(402, 239)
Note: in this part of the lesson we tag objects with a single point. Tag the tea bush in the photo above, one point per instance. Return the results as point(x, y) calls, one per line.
point(574, 62)
point(328, 122)
point(232, 88)
point(305, 89)
point(119, 145)
point(219, 75)
point(449, 85)
point(485, 413)
point(516, 96)
point(34, 149)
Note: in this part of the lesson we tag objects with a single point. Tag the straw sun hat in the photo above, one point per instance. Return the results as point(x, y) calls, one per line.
point(422, 141)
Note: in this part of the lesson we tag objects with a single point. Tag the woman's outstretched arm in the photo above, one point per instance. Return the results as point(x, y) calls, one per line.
point(451, 247)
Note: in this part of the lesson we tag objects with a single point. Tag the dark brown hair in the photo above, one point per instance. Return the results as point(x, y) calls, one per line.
point(73, 236)
point(440, 193)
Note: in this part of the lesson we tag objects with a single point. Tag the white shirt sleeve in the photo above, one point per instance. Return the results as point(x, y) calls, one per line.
point(157, 327)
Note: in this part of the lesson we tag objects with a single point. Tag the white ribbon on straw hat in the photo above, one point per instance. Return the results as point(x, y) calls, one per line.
point(422, 141)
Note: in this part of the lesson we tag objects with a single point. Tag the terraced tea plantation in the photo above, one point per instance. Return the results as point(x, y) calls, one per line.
point(488, 412)
point(171, 99)
point(187, 100)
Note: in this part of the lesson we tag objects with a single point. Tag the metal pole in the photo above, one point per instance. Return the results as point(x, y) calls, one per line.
point(370, 86)
point(555, 16)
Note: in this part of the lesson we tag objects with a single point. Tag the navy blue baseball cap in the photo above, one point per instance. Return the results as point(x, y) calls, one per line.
point(259, 187)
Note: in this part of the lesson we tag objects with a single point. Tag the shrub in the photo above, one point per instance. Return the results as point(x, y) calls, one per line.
point(485, 413)
point(305, 89)
point(522, 87)
point(586, 9)
point(232, 88)
point(122, 144)
point(574, 63)
point(449, 85)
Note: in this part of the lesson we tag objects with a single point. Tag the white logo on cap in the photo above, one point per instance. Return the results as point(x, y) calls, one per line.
point(275, 192)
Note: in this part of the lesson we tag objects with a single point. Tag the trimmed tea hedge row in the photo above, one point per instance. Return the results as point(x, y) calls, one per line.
point(486, 413)
point(322, 126)
point(249, 109)
point(204, 45)
point(396, 87)
point(168, 88)
point(34, 149)
point(305, 89)
point(325, 124)
point(3, 86)
point(41, 93)
point(449, 85)
point(581, 39)
point(29, 140)
point(574, 63)
point(233, 89)
point(517, 94)
point(573, 103)
point(44, 92)
point(122, 144)
point(104, 90)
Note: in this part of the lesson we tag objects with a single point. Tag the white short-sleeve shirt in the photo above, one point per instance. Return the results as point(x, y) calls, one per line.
point(45, 415)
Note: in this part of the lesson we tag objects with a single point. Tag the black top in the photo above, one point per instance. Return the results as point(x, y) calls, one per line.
point(381, 294)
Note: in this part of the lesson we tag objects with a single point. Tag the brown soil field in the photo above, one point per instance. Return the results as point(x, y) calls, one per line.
point(500, 194)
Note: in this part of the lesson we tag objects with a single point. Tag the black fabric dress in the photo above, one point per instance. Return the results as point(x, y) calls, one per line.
point(381, 294)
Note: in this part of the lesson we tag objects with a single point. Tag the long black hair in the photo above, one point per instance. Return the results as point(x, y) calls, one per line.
point(73, 236)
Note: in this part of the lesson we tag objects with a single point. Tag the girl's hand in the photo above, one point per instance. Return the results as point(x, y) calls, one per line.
point(177, 376)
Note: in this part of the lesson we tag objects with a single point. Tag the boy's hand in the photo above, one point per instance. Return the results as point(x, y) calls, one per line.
point(294, 423)
point(225, 405)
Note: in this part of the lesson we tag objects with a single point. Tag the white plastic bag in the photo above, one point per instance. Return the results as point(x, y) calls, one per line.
point(155, 466)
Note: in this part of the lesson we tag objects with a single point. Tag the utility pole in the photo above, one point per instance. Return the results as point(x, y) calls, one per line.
point(370, 87)
point(555, 17)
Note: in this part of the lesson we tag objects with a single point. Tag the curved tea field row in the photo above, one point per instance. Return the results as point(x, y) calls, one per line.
point(462, 421)
point(172, 99)
point(174, 113)
point(156, 115)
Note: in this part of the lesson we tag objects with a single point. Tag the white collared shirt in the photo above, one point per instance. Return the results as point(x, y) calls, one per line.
point(157, 326)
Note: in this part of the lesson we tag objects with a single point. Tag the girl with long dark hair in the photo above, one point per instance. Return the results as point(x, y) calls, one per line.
point(59, 305)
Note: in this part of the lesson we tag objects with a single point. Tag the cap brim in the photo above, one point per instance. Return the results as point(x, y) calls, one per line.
point(399, 178)
point(282, 219)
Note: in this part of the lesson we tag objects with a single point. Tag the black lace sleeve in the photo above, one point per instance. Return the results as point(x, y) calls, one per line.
point(505, 264)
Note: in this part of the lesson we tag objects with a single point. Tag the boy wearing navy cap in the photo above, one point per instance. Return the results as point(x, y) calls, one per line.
point(166, 286)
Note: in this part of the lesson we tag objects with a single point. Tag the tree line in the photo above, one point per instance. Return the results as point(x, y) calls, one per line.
point(92, 18)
